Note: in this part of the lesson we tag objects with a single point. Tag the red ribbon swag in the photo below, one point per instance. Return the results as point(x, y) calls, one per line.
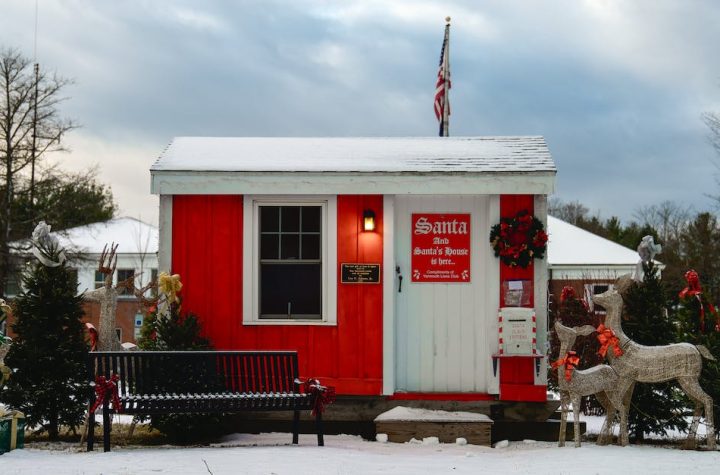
point(324, 395)
point(607, 338)
point(693, 289)
point(106, 387)
point(571, 360)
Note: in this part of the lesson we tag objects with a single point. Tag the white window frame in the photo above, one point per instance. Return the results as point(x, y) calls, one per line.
point(590, 292)
point(251, 257)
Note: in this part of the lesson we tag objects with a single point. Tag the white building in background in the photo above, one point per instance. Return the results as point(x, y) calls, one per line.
point(137, 247)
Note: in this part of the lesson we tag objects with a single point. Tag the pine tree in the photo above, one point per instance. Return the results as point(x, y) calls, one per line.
point(180, 332)
point(655, 408)
point(696, 320)
point(49, 383)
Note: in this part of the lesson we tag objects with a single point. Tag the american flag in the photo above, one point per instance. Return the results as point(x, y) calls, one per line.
point(442, 104)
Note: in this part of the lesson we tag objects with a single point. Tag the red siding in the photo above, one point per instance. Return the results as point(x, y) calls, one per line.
point(509, 207)
point(517, 372)
point(207, 253)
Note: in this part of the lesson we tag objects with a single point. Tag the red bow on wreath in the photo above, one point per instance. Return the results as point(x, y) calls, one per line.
point(323, 395)
point(607, 337)
point(570, 361)
point(105, 387)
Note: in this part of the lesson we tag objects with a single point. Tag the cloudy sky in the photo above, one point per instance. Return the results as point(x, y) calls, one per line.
point(617, 87)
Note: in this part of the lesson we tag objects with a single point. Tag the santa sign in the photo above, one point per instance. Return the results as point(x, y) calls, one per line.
point(440, 247)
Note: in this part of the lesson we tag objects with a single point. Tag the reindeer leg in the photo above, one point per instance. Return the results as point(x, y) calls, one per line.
point(563, 418)
point(625, 388)
point(606, 433)
point(576, 400)
point(695, 392)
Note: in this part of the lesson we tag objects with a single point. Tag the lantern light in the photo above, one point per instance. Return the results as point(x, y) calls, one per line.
point(368, 220)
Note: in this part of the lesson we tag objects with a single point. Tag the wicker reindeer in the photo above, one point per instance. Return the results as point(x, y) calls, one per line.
point(600, 380)
point(656, 364)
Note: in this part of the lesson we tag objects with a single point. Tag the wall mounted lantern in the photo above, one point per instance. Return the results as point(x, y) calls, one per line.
point(368, 220)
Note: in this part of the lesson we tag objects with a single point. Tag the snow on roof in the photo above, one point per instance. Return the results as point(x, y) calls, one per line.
point(571, 245)
point(131, 235)
point(364, 154)
point(402, 413)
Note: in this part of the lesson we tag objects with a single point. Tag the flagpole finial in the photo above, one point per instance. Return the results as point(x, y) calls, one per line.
point(447, 20)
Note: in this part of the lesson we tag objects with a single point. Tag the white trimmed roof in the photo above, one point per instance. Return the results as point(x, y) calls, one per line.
point(131, 235)
point(364, 155)
point(569, 245)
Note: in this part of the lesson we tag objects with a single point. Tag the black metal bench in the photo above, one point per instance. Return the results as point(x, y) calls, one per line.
point(201, 382)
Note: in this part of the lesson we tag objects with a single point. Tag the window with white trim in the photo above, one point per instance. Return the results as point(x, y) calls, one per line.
point(594, 289)
point(288, 278)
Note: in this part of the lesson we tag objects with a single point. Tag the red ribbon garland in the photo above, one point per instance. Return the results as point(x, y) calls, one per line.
point(104, 386)
point(693, 289)
point(607, 337)
point(324, 395)
point(570, 361)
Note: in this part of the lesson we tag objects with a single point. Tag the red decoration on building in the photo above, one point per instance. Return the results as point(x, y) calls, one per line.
point(440, 247)
point(519, 240)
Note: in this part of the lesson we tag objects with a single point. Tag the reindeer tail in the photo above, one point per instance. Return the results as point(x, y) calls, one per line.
point(705, 352)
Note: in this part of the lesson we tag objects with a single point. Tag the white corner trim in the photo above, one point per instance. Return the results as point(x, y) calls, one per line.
point(492, 271)
point(389, 344)
point(165, 233)
point(250, 251)
point(541, 295)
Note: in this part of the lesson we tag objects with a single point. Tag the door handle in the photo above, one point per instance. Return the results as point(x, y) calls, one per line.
point(400, 278)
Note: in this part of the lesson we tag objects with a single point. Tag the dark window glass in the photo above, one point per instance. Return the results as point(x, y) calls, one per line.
point(310, 246)
point(291, 291)
point(270, 218)
point(311, 219)
point(290, 219)
point(290, 262)
point(290, 246)
point(126, 276)
point(269, 246)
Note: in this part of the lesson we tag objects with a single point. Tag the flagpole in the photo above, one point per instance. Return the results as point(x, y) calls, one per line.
point(446, 73)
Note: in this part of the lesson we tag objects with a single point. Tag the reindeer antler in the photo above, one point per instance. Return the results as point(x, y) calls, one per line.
point(108, 263)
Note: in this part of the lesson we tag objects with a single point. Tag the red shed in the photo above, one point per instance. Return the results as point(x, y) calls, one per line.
point(369, 256)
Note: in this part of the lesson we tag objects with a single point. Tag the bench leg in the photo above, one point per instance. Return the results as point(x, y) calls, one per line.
point(106, 427)
point(319, 428)
point(296, 426)
point(91, 431)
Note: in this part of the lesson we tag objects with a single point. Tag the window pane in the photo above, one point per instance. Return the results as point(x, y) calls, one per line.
point(269, 246)
point(290, 246)
point(311, 219)
point(99, 279)
point(126, 275)
point(269, 218)
point(298, 285)
point(311, 246)
point(290, 219)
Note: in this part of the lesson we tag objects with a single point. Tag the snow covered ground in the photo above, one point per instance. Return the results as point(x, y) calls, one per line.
point(344, 454)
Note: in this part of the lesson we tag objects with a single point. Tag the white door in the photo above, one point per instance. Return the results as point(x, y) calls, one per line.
point(445, 333)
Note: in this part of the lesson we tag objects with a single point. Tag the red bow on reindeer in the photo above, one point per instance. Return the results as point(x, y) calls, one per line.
point(570, 361)
point(107, 387)
point(324, 395)
point(607, 337)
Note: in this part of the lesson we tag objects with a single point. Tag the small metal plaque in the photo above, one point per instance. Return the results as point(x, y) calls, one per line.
point(360, 273)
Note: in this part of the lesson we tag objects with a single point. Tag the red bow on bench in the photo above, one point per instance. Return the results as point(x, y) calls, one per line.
point(607, 337)
point(570, 361)
point(324, 395)
point(103, 387)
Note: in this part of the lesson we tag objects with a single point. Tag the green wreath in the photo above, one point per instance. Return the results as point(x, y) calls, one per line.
point(516, 241)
